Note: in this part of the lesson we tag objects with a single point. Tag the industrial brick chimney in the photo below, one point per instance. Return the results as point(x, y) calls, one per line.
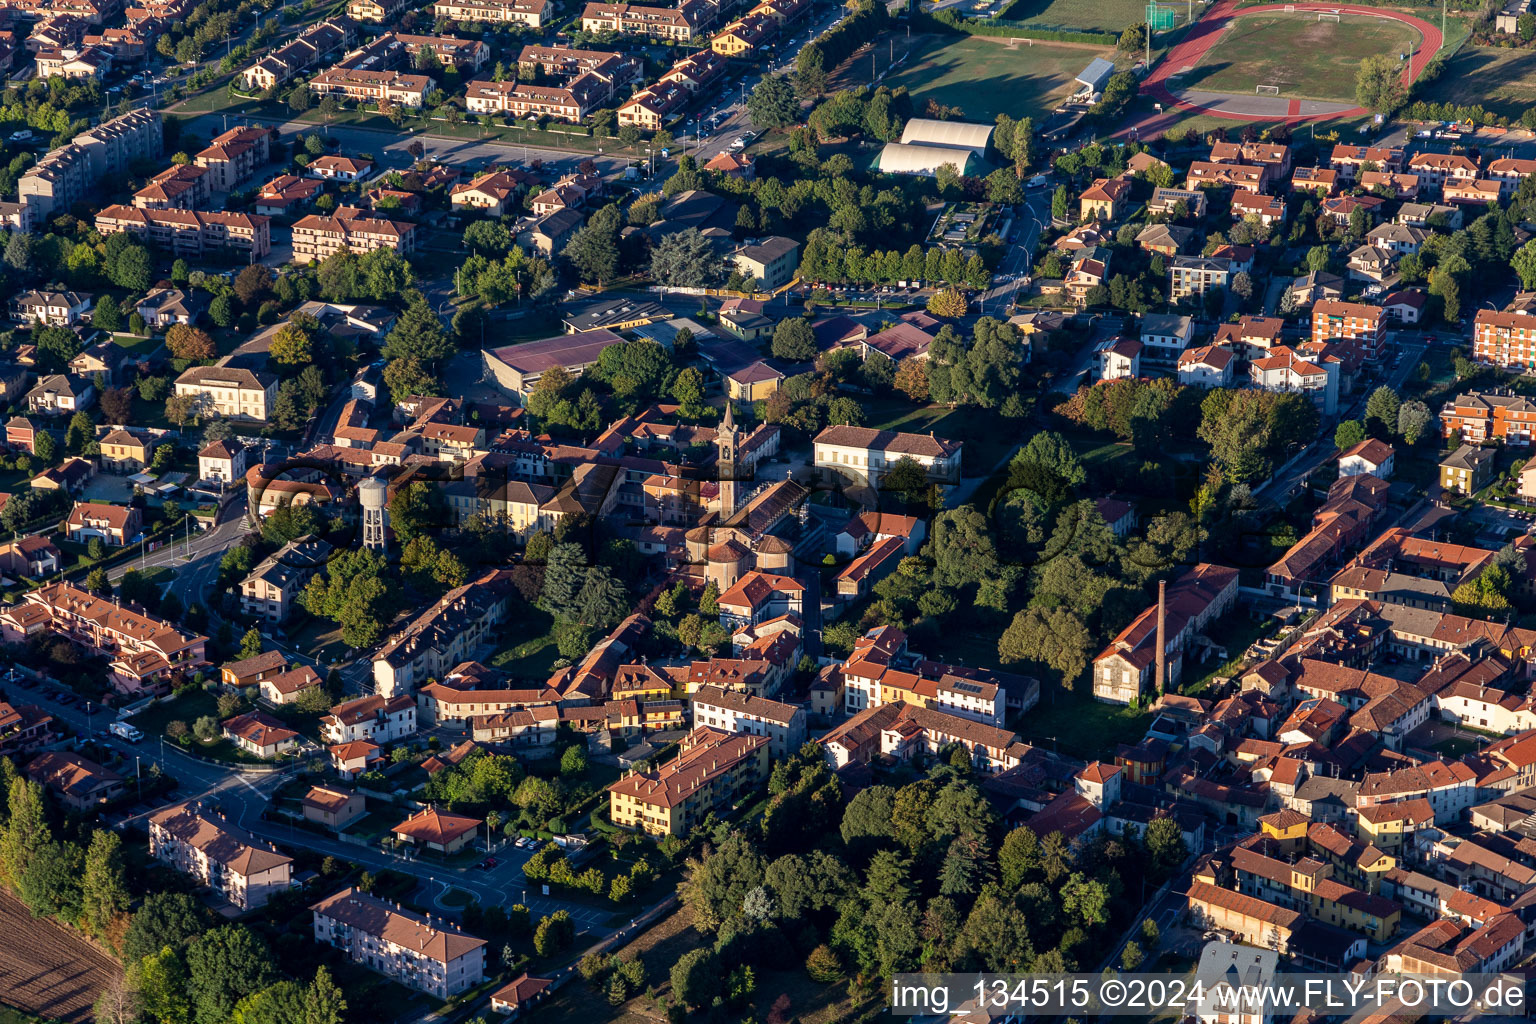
point(1162, 636)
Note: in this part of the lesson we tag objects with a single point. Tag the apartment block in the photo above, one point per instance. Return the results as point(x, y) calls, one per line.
point(1196, 275)
point(373, 718)
point(206, 847)
point(1495, 414)
point(570, 103)
point(67, 175)
point(682, 23)
point(315, 237)
point(713, 771)
point(1505, 339)
point(737, 712)
point(865, 455)
point(1356, 324)
point(178, 187)
point(533, 13)
point(233, 157)
point(192, 233)
point(363, 86)
point(424, 953)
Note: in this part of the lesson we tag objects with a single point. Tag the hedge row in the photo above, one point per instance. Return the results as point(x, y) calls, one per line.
point(948, 20)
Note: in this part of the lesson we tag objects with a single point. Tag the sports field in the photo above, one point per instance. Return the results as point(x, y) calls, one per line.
point(984, 77)
point(1083, 15)
point(1306, 58)
point(1503, 81)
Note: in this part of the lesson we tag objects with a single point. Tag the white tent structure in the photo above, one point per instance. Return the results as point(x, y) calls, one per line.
point(922, 131)
point(901, 158)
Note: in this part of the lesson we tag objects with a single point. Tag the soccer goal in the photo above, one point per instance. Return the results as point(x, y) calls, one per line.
point(1266, 90)
point(1290, 8)
point(1328, 16)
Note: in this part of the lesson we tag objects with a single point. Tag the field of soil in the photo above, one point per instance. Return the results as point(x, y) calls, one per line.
point(46, 970)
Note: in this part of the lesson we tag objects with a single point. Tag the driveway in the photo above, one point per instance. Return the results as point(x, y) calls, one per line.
point(108, 487)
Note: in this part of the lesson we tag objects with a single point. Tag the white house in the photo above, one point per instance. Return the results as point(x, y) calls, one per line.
point(1371, 457)
point(1209, 366)
point(1121, 358)
point(1165, 336)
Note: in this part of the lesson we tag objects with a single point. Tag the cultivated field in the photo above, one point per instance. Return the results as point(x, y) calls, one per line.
point(1503, 81)
point(46, 970)
point(1083, 15)
point(984, 76)
point(1306, 58)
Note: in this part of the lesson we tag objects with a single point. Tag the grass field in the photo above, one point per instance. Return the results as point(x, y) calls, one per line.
point(1503, 81)
point(1305, 57)
point(1082, 15)
point(1076, 724)
point(984, 77)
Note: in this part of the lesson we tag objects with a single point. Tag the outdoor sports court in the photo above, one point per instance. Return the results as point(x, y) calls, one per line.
point(1282, 62)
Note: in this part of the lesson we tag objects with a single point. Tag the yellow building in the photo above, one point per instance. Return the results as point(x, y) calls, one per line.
point(1335, 903)
point(714, 770)
point(1252, 920)
point(1385, 826)
point(1287, 828)
point(1105, 199)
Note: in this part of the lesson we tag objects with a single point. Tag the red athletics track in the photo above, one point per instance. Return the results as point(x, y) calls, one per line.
point(1190, 51)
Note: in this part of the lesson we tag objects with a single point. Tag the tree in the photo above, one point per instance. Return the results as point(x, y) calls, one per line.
point(823, 966)
point(554, 933)
point(224, 966)
point(323, 1000)
point(119, 1003)
point(56, 346)
point(132, 269)
point(407, 376)
point(1061, 202)
point(1131, 956)
point(189, 343)
point(948, 303)
point(26, 834)
point(686, 259)
point(252, 284)
point(1165, 842)
point(696, 978)
point(1018, 859)
point(164, 920)
point(810, 71)
point(103, 886)
point(251, 643)
point(107, 315)
point(594, 249)
point(1056, 638)
point(1524, 263)
point(772, 103)
point(794, 341)
point(161, 979)
point(1381, 411)
point(488, 236)
point(418, 333)
point(1003, 186)
point(293, 344)
point(117, 405)
point(222, 310)
point(80, 432)
point(1348, 434)
point(1379, 84)
point(912, 379)
point(1413, 419)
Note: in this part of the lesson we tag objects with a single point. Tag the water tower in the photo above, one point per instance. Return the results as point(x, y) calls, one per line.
point(373, 495)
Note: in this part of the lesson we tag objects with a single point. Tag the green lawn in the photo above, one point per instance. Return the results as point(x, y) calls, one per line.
point(1305, 57)
point(1502, 80)
point(1236, 633)
point(135, 345)
point(1083, 15)
point(528, 646)
point(984, 76)
point(1078, 725)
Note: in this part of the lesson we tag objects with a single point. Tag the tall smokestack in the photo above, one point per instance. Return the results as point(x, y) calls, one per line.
point(1162, 634)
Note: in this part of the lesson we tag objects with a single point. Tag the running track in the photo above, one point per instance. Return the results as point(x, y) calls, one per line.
point(1208, 29)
